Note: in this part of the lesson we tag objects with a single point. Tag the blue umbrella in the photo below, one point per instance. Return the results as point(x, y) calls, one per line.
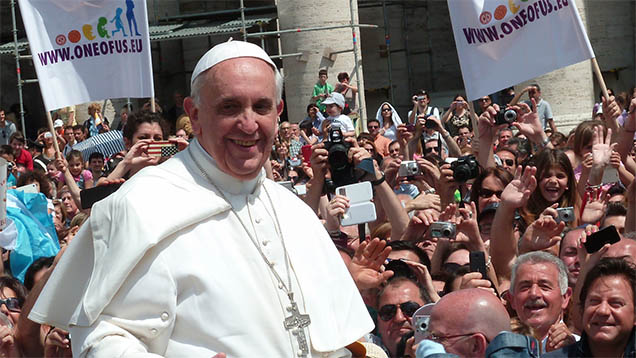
point(107, 143)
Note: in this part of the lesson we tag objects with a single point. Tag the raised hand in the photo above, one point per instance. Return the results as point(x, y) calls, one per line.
point(602, 147)
point(543, 233)
point(467, 224)
point(611, 112)
point(319, 160)
point(486, 123)
point(366, 267)
point(528, 121)
point(517, 192)
point(595, 206)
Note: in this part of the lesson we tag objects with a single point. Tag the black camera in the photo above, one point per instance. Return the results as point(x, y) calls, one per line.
point(506, 116)
point(341, 169)
point(429, 123)
point(465, 168)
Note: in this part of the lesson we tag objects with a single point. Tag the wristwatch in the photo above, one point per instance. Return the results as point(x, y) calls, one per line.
point(378, 181)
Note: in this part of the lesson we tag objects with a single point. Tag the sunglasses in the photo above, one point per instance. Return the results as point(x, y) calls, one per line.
point(509, 162)
point(484, 100)
point(373, 127)
point(386, 109)
point(485, 193)
point(12, 304)
point(430, 150)
point(387, 312)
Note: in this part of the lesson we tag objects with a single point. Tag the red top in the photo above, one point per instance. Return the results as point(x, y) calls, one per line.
point(25, 158)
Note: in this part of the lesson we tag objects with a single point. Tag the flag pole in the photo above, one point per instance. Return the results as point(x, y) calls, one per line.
point(52, 129)
point(599, 78)
point(153, 108)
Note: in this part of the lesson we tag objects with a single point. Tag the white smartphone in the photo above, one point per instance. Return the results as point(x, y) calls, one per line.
point(361, 209)
point(29, 188)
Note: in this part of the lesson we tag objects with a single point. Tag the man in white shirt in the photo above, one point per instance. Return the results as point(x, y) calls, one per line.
point(243, 267)
point(335, 103)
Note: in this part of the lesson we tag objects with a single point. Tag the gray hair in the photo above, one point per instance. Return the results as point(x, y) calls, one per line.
point(539, 257)
point(198, 84)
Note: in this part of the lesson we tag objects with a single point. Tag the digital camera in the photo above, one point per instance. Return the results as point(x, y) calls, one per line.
point(408, 168)
point(506, 116)
point(341, 169)
point(443, 229)
point(465, 168)
point(565, 215)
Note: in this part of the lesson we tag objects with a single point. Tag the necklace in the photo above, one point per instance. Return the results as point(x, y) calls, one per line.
point(296, 322)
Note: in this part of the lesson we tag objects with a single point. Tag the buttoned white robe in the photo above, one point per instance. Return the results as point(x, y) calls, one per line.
point(164, 267)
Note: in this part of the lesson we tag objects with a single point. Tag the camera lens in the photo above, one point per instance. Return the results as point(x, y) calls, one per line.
point(447, 233)
point(510, 116)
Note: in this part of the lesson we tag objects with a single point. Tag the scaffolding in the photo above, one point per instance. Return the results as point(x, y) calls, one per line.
point(178, 31)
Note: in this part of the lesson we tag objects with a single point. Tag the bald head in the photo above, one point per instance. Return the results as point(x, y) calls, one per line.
point(472, 310)
point(625, 248)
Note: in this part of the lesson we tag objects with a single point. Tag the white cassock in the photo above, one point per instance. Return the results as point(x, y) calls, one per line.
point(164, 266)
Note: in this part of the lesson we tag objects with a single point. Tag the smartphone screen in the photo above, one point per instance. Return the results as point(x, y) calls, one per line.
point(478, 263)
point(597, 240)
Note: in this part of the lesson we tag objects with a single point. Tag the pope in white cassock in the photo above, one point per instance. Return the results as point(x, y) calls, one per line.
point(203, 254)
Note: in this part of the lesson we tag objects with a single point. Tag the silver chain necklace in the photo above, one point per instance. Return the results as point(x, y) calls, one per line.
point(296, 322)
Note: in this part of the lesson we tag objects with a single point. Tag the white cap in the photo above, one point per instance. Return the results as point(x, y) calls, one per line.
point(336, 98)
point(58, 123)
point(228, 50)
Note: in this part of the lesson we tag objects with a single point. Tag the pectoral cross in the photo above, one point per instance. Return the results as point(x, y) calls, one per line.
point(297, 323)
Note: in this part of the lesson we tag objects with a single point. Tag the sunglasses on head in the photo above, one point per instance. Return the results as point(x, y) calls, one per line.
point(13, 304)
point(486, 193)
point(387, 312)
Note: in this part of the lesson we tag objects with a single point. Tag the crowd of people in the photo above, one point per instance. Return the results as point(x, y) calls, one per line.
point(501, 180)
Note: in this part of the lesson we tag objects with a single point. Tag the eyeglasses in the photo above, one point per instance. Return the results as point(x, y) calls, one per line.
point(13, 304)
point(386, 109)
point(387, 312)
point(486, 193)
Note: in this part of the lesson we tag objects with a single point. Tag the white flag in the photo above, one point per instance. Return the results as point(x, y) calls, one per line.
point(501, 43)
point(89, 50)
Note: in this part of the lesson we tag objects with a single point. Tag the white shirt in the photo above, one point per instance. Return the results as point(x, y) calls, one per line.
point(198, 285)
point(344, 121)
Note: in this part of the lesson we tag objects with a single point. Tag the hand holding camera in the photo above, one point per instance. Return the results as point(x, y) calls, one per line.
point(319, 160)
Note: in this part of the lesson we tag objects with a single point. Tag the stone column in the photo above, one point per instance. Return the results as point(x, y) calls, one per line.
point(302, 74)
point(569, 90)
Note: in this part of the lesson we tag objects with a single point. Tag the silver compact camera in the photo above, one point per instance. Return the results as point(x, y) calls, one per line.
point(408, 168)
point(443, 229)
point(565, 215)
